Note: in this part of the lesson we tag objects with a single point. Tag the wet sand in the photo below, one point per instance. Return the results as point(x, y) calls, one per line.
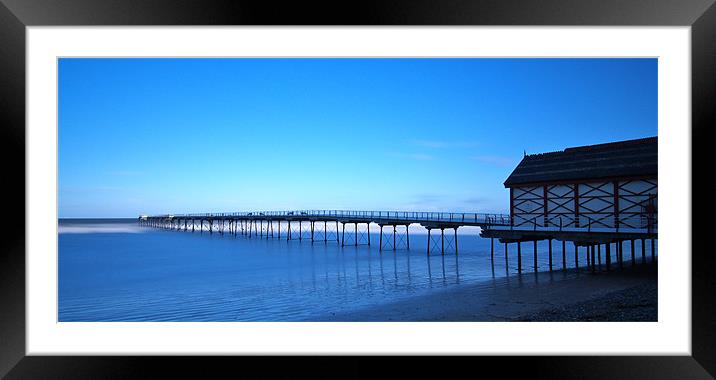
point(620, 295)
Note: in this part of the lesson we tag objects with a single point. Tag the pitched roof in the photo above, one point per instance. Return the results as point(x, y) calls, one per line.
point(629, 158)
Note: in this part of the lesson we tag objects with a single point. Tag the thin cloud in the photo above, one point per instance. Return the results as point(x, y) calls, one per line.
point(427, 198)
point(500, 161)
point(477, 200)
point(414, 156)
point(421, 157)
point(438, 144)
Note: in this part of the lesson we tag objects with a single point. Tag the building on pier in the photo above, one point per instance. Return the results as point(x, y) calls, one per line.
point(589, 195)
point(599, 188)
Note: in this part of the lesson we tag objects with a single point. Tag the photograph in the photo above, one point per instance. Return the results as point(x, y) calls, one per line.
point(357, 189)
point(199, 185)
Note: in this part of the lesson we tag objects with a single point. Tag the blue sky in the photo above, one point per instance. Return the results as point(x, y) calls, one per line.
point(200, 135)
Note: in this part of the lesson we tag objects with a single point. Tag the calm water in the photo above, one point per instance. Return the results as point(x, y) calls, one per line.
point(114, 270)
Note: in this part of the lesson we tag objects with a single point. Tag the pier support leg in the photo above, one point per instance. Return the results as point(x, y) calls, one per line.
point(337, 231)
point(492, 250)
point(394, 228)
point(456, 240)
point(407, 236)
point(653, 250)
point(564, 255)
point(506, 260)
point(343, 236)
point(588, 260)
point(550, 254)
point(576, 255)
point(599, 256)
point(534, 253)
point(594, 266)
point(300, 230)
point(519, 257)
point(428, 242)
point(621, 254)
point(355, 236)
point(380, 242)
point(325, 232)
point(368, 225)
point(442, 240)
point(643, 251)
point(608, 258)
point(631, 248)
point(288, 235)
point(312, 223)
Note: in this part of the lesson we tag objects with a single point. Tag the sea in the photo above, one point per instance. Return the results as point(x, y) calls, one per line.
point(117, 270)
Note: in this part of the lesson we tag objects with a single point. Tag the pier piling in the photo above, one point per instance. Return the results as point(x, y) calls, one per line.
point(492, 250)
point(506, 260)
point(631, 248)
point(519, 257)
point(576, 255)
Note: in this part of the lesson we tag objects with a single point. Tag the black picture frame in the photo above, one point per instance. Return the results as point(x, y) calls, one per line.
point(15, 15)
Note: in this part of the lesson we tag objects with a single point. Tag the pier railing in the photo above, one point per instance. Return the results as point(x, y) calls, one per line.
point(416, 216)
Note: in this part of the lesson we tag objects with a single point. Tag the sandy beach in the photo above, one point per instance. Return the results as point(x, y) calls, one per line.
point(620, 295)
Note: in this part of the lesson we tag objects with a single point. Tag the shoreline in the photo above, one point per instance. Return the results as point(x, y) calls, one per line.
point(620, 295)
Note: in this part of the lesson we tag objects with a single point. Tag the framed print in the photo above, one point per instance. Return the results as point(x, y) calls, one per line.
point(236, 178)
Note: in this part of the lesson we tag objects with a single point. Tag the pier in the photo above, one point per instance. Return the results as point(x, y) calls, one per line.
point(586, 197)
point(329, 226)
